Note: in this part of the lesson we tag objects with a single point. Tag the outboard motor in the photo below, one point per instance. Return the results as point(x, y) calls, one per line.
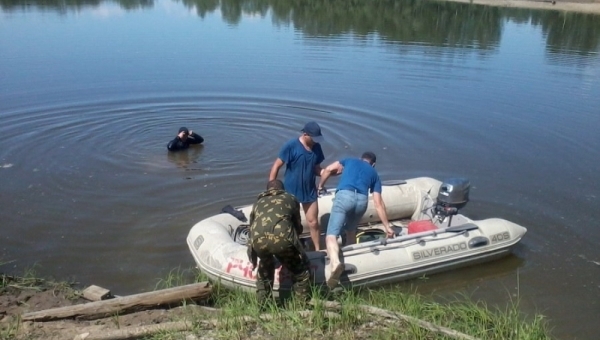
point(452, 196)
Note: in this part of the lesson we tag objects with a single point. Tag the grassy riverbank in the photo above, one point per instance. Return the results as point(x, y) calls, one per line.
point(352, 320)
point(366, 314)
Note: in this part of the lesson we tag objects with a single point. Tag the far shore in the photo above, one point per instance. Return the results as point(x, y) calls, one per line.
point(582, 6)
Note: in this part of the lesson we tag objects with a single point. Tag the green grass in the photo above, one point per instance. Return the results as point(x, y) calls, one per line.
point(28, 281)
point(474, 318)
point(179, 277)
point(239, 316)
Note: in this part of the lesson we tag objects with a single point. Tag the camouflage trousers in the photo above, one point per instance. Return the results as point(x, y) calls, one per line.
point(292, 258)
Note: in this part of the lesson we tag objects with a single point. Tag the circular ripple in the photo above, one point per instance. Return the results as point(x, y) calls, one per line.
point(95, 178)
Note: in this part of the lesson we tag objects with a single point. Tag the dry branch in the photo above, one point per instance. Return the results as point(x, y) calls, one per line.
point(179, 326)
point(398, 316)
point(136, 332)
point(264, 317)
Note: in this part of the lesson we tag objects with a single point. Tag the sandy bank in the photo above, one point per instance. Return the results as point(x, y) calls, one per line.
point(582, 6)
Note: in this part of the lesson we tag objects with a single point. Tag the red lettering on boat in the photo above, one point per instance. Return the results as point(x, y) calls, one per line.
point(240, 267)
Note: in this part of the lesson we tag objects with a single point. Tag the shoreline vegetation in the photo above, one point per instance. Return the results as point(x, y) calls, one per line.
point(208, 311)
point(581, 6)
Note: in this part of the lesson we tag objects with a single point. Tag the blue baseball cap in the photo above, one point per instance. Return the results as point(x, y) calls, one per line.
point(314, 131)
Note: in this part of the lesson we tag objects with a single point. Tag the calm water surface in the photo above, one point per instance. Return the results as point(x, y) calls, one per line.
point(91, 92)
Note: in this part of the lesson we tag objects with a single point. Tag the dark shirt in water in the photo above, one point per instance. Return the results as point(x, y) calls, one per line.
point(178, 144)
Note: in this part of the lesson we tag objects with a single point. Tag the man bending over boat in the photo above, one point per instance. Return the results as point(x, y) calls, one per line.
point(274, 229)
point(350, 203)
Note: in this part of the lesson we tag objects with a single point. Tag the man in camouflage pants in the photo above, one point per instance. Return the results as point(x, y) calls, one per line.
point(274, 229)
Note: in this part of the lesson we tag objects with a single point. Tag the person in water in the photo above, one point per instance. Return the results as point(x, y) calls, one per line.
point(184, 139)
point(350, 204)
point(302, 157)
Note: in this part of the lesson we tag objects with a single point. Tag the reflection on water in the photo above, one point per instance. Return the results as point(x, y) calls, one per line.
point(186, 159)
point(74, 5)
point(434, 23)
point(474, 275)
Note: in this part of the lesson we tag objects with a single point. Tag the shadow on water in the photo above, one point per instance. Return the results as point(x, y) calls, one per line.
point(446, 24)
point(463, 278)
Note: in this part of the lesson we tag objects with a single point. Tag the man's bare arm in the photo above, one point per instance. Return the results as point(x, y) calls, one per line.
point(275, 169)
point(332, 169)
point(380, 207)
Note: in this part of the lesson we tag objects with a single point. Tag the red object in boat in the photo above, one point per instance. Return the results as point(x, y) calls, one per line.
point(420, 226)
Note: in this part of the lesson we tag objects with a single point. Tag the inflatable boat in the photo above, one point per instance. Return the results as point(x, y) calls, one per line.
point(431, 236)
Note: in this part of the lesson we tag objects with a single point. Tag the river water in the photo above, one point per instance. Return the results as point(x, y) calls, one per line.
point(92, 91)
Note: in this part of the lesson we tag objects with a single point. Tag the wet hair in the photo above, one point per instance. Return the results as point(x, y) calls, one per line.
point(369, 156)
point(275, 184)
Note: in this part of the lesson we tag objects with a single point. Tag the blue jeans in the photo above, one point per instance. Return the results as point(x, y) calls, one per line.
point(348, 208)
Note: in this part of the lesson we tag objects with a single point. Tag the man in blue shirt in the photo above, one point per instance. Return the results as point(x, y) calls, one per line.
point(351, 200)
point(303, 157)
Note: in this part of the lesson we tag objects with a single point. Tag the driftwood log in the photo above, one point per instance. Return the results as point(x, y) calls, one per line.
point(398, 316)
point(123, 305)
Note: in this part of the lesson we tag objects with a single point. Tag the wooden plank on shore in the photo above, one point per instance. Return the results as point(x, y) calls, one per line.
point(96, 293)
point(124, 305)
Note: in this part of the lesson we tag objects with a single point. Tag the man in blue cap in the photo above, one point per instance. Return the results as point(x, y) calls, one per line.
point(303, 157)
point(184, 139)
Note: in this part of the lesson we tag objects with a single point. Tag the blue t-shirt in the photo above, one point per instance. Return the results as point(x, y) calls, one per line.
point(299, 179)
point(360, 176)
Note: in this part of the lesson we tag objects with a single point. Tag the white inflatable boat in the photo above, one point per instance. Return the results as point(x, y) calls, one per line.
point(431, 237)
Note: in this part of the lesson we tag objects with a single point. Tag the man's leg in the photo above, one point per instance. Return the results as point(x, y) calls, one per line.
point(311, 212)
point(337, 268)
point(264, 279)
point(354, 216)
point(298, 264)
point(343, 202)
